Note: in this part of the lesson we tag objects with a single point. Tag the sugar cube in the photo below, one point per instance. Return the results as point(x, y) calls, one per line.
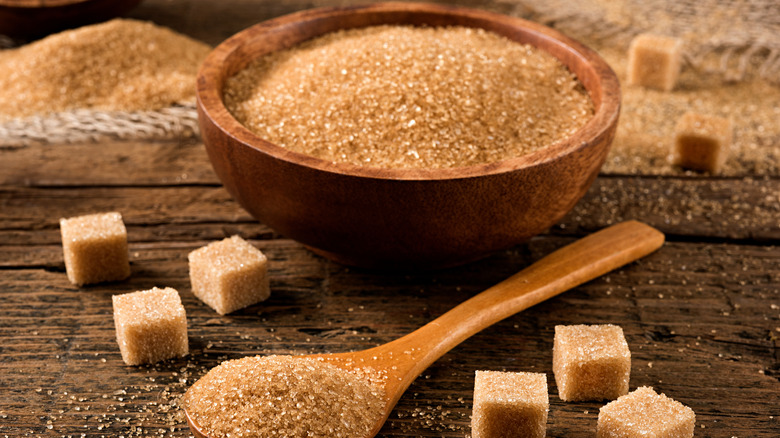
point(151, 325)
point(509, 404)
point(702, 142)
point(95, 248)
point(229, 275)
point(654, 61)
point(645, 413)
point(591, 362)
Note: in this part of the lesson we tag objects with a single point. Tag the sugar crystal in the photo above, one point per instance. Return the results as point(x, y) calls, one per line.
point(150, 325)
point(117, 65)
point(284, 396)
point(409, 97)
point(645, 413)
point(509, 404)
point(654, 61)
point(702, 142)
point(95, 248)
point(591, 362)
point(229, 275)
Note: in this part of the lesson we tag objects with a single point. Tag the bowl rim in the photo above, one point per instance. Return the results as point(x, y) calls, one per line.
point(606, 98)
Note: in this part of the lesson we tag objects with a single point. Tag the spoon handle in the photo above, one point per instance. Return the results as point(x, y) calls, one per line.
point(561, 270)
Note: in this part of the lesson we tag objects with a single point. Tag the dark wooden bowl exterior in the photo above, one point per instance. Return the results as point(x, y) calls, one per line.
point(37, 18)
point(394, 218)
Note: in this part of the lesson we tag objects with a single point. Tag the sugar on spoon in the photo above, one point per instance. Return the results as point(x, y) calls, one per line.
point(405, 358)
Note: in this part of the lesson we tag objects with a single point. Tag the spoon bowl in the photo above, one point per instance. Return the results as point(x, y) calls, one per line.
point(405, 358)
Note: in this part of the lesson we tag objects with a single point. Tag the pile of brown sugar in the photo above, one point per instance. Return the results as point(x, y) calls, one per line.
point(122, 65)
point(645, 134)
point(406, 97)
point(730, 70)
point(284, 396)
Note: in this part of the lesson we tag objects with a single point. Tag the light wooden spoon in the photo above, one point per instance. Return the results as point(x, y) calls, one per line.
point(405, 358)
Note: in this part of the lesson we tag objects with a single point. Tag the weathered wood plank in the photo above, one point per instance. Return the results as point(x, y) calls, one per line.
point(120, 175)
point(695, 208)
point(108, 163)
point(720, 209)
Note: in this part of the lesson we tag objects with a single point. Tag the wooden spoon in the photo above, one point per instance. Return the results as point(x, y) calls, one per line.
point(405, 358)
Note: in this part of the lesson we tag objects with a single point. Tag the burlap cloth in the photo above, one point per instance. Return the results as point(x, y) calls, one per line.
point(738, 40)
point(85, 125)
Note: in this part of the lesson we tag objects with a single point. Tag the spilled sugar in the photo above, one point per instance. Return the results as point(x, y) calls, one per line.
point(122, 65)
point(284, 396)
point(405, 97)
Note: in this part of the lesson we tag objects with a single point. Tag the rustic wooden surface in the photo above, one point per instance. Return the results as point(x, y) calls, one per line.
point(701, 315)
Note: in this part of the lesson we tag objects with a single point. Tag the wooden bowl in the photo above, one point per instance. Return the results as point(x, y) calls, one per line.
point(36, 18)
point(403, 218)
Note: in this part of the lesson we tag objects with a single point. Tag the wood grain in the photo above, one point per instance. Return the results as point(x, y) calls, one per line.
point(705, 207)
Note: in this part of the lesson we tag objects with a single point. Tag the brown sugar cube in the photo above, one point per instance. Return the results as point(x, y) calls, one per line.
point(702, 142)
point(95, 248)
point(645, 413)
point(590, 362)
point(509, 405)
point(229, 275)
point(151, 325)
point(654, 61)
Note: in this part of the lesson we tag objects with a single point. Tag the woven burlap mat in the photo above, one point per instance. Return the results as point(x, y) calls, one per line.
point(731, 39)
point(737, 39)
point(179, 121)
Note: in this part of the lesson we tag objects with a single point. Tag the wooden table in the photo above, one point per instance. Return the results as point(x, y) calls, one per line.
point(701, 315)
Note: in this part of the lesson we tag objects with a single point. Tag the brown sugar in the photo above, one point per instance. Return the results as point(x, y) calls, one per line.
point(95, 248)
point(702, 142)
point(654, 61)
point(150, 325)
point(229, 275)
point(122, 65)
point(406, 97)
point(648, 119)
point(508, 404)
point(283, 396)
point(645, 413)
point(591, 362)
point(723, 75)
